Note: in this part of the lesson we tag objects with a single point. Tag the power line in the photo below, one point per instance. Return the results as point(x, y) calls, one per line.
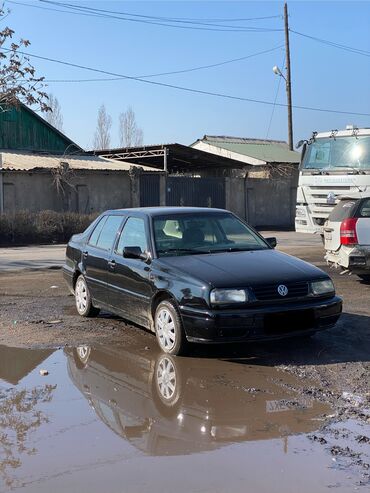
point(351, 49)
point(146, 17)
point(75, 10)
point(173, 19)
point(185, 89)
point(193, 69)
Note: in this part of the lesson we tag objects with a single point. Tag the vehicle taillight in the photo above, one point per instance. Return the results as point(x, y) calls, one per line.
point(348, 234)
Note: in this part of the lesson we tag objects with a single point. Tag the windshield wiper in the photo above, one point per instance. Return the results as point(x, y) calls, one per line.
point(192, 251)
point(234, 249)
point(356, 171)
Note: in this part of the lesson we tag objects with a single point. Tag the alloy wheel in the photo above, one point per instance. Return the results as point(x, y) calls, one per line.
point(166, 329)
point(81, 295)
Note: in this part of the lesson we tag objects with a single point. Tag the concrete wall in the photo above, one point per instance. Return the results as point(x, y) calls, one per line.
point(91, 191)
point(264, 202)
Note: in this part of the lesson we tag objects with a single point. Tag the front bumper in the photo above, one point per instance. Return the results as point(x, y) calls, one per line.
point(274, 321)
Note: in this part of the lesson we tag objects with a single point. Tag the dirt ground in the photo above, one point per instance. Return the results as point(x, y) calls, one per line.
point(36, 311)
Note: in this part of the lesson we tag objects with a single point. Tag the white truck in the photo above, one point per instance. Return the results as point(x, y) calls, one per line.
point(333, 164)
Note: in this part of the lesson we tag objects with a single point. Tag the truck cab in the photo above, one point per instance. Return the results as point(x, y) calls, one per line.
point(333, 164)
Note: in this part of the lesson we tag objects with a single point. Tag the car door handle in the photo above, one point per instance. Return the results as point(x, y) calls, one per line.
point(85, 254)
point(328, 230)
point(112, 264)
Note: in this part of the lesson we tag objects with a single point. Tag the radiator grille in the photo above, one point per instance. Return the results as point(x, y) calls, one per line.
point(270, 291)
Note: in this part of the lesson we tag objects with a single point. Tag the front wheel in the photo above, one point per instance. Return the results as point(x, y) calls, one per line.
point(84, 304)
point(169, 330)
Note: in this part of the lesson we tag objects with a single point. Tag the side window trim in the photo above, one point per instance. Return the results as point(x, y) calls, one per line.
point(115, 245)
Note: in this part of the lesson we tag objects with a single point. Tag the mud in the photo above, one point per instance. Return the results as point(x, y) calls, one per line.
point(285, 416)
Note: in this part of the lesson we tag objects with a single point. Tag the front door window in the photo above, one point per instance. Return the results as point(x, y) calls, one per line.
point(133, 235)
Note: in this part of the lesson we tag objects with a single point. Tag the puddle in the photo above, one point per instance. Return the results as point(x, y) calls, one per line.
point(114, 419)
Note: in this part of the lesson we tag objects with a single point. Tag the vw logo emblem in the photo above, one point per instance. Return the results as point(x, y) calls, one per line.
point(282, 290)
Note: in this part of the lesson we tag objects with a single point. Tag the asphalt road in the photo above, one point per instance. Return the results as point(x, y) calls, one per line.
point(52, 256)
point(32, 257)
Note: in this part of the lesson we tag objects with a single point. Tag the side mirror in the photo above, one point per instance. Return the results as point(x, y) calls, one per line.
point(272, 242)
point(299, 144)
point(134, 252)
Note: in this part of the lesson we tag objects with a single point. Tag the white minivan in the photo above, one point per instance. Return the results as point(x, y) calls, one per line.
point(347, 235)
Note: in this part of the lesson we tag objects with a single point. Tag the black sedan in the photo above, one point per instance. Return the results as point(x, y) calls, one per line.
point(196, 275)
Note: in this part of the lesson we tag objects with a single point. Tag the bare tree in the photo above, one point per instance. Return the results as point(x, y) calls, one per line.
point(18, 81)
point(103, 127)
point(129, 133)
point(54, 116)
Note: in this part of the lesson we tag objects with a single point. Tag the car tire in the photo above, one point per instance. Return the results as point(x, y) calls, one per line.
point(169, 329)
point(83, 301)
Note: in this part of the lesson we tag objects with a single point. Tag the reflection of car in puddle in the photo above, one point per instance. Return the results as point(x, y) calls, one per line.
point(169, 405)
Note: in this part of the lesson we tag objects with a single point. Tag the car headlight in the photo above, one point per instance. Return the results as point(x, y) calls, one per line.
point(226, 296)
point(322, 287)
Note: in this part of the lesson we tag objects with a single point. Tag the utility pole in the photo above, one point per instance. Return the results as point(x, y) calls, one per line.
point(288, 84)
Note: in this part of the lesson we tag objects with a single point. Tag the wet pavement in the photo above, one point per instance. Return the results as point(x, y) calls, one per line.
point(131, 419)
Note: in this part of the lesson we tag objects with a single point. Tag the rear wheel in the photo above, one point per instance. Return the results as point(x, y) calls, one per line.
point(169, 330)
point(84, 304)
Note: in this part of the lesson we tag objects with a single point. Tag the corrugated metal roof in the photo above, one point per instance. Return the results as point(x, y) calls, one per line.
point(29, 161)
point(271, 151)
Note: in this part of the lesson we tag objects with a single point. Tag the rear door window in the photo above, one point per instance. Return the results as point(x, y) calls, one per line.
point(109, 232)
point(343, 210)
point(96, 233)
point(364, 210)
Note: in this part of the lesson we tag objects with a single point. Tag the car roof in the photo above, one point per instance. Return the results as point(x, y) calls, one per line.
point(160, 211)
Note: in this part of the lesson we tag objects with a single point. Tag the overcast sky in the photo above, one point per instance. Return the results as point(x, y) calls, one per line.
point(323, 76)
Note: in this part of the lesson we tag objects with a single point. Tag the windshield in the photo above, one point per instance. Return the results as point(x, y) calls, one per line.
point(205, 232)
point(339, 152)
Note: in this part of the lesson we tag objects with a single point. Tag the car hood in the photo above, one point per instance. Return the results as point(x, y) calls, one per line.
point(238, 269)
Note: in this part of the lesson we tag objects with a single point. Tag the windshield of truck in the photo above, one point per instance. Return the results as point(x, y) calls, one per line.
point(339, 152)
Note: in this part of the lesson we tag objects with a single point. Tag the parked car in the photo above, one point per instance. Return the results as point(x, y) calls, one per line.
point(196, 275)
point(347, 235)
